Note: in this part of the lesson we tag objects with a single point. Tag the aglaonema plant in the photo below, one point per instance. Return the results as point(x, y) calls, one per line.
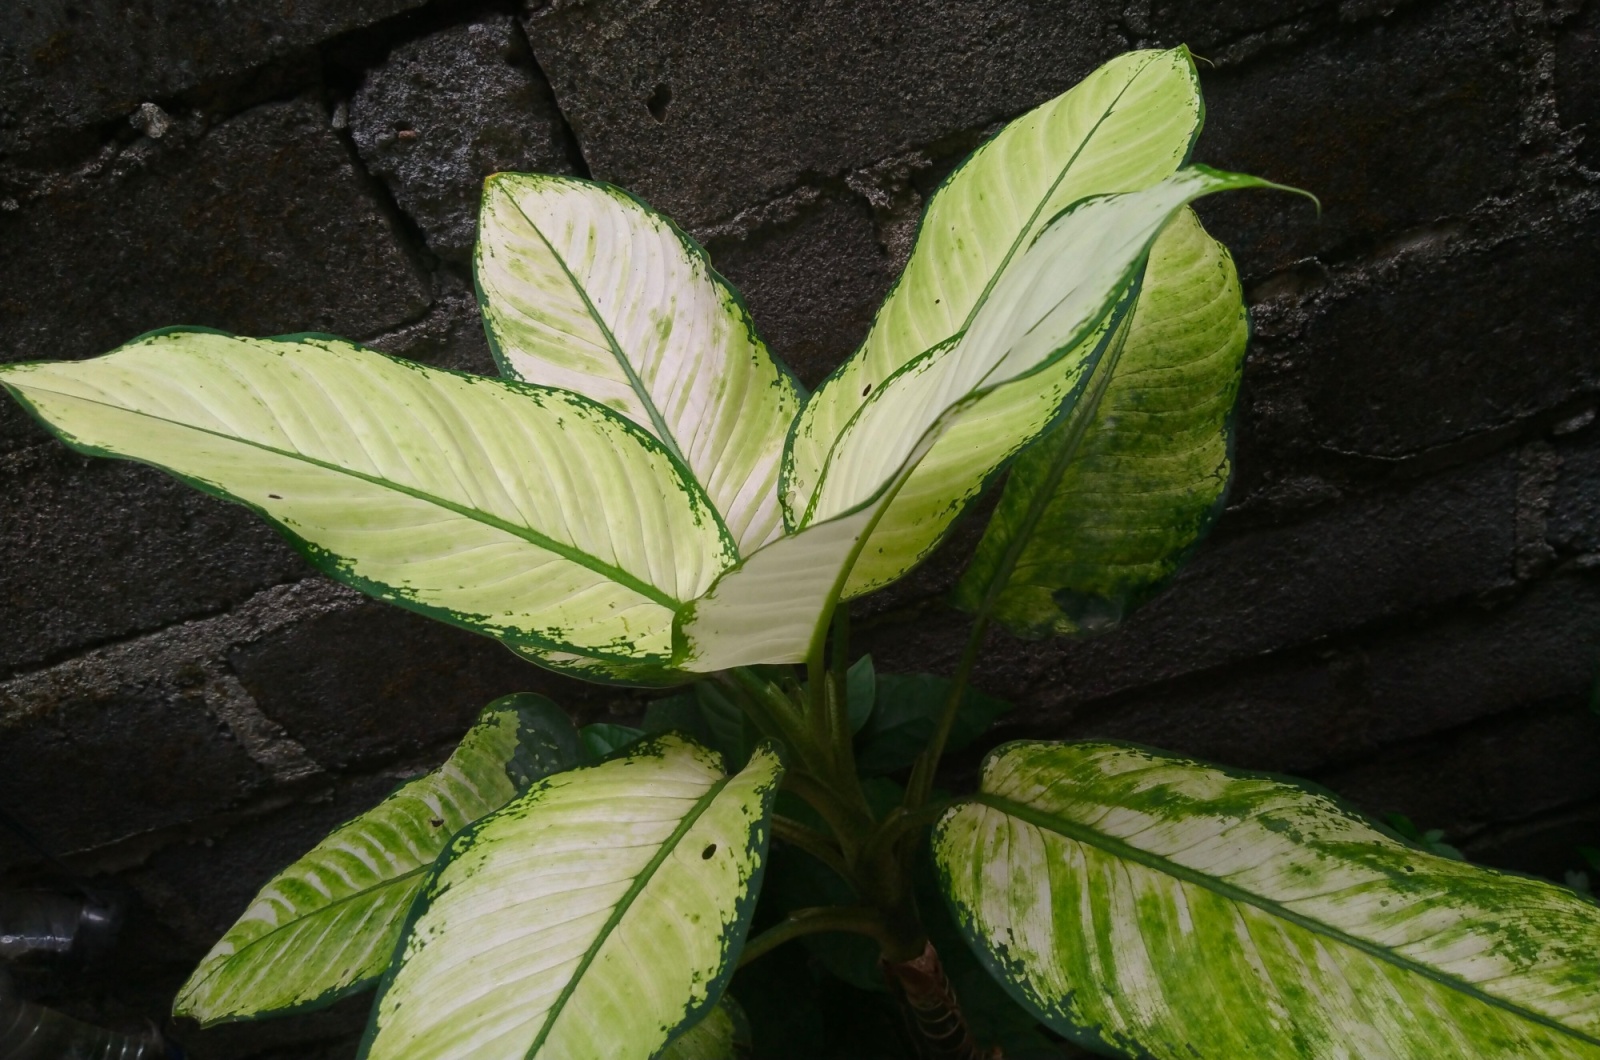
point(648, 497)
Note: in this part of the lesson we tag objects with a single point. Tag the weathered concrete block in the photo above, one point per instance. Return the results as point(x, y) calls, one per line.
point(1428, 543)
point(97, 549)
point(1526, 763)
point(1392, 126)
point(444, 112)
point(1578, 81)
point(261, 227)
point(1203, 25)
point(372, 682)
point(812, 282)
point(704, 108)
point(67, 63)
point(1440, 346)
point(1314, 708)
point(99, 763)
point(1574, 517)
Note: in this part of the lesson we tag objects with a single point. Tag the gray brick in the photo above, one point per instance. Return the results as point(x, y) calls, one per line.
point(1526, 763)
point(443, 112)
point(1340, 704)
point(1438, 348)
point(94, 764)
point(68, 63)
point(373, 682)
point(1577, 78)
point(1440, 540)
point(812, 282)
point(1391, 125)
point(261, 227)
point(100, 549)
point(703, 108)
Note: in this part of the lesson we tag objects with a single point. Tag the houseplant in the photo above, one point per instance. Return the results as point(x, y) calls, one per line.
point(647, 497)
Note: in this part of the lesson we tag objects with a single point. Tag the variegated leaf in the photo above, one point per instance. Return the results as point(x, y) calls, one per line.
point(585, 288)
point(532, 515)
point(1125, 127)
point(721, 1034)
point(1092, 521)
point(327, 925)
point(1147, 905)
point(1061, 303)
point(597, 916)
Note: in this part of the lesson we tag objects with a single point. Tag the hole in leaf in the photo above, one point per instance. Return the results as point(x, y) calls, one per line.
point(659, 101)
point(708, 851)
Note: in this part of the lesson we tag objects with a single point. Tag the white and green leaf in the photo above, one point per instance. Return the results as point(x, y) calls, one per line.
point(599, 915)
point(1053, 315)
point(585, 288)
point(532, 515)
point(1152, 906)
point(1096, 516)
point(721, 1034)
point(1125, 127)
point(326, 926)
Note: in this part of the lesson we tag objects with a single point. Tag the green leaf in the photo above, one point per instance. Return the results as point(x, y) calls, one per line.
point(860, 692)
point(598, 915)
point(722, 1034)
point(1125, 127)
point(1096, 516)
point(1059, 304)
point(908, 709)
point(585, 288)
point(532, 515)
point(603, 739)
point(1153, 906)
point(325, 926)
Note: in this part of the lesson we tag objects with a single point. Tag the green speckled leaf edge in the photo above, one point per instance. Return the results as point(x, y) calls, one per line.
point(749, 792)
point(1207, 972)
point(517, 740)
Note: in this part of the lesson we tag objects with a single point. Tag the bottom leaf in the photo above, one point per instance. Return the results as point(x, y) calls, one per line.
point(1151, 906)
point(596, 916)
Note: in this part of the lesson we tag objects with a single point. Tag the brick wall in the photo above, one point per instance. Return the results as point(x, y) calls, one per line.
point(1401, 600)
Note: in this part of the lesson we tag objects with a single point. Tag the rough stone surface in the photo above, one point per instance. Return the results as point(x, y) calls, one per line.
point(1392, 125)
point(367, 684)
point(1400, 600)
point(1324, 705)
point(104, 763)
point(446, 111)
point(703, 108)
point(260, 227)
point(68, 63)
point(812, 282)
point(1381, 372)
point(1442, 540)
point(114, 549)
point(1578, 82)
point(1520, 765)
point(1574, 525)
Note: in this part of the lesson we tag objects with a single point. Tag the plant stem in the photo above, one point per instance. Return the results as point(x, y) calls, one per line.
point(812, 842)
point(1076, 427)
point(934, 1011)
point(857, 920)
point(927, 764)
point(838, 700)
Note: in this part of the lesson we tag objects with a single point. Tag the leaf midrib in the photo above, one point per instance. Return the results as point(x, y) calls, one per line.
point(637, 384)
point(528, 534)
point(227, 963)
point(1105, 115)
point(640, 882)
point(1122, 849)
